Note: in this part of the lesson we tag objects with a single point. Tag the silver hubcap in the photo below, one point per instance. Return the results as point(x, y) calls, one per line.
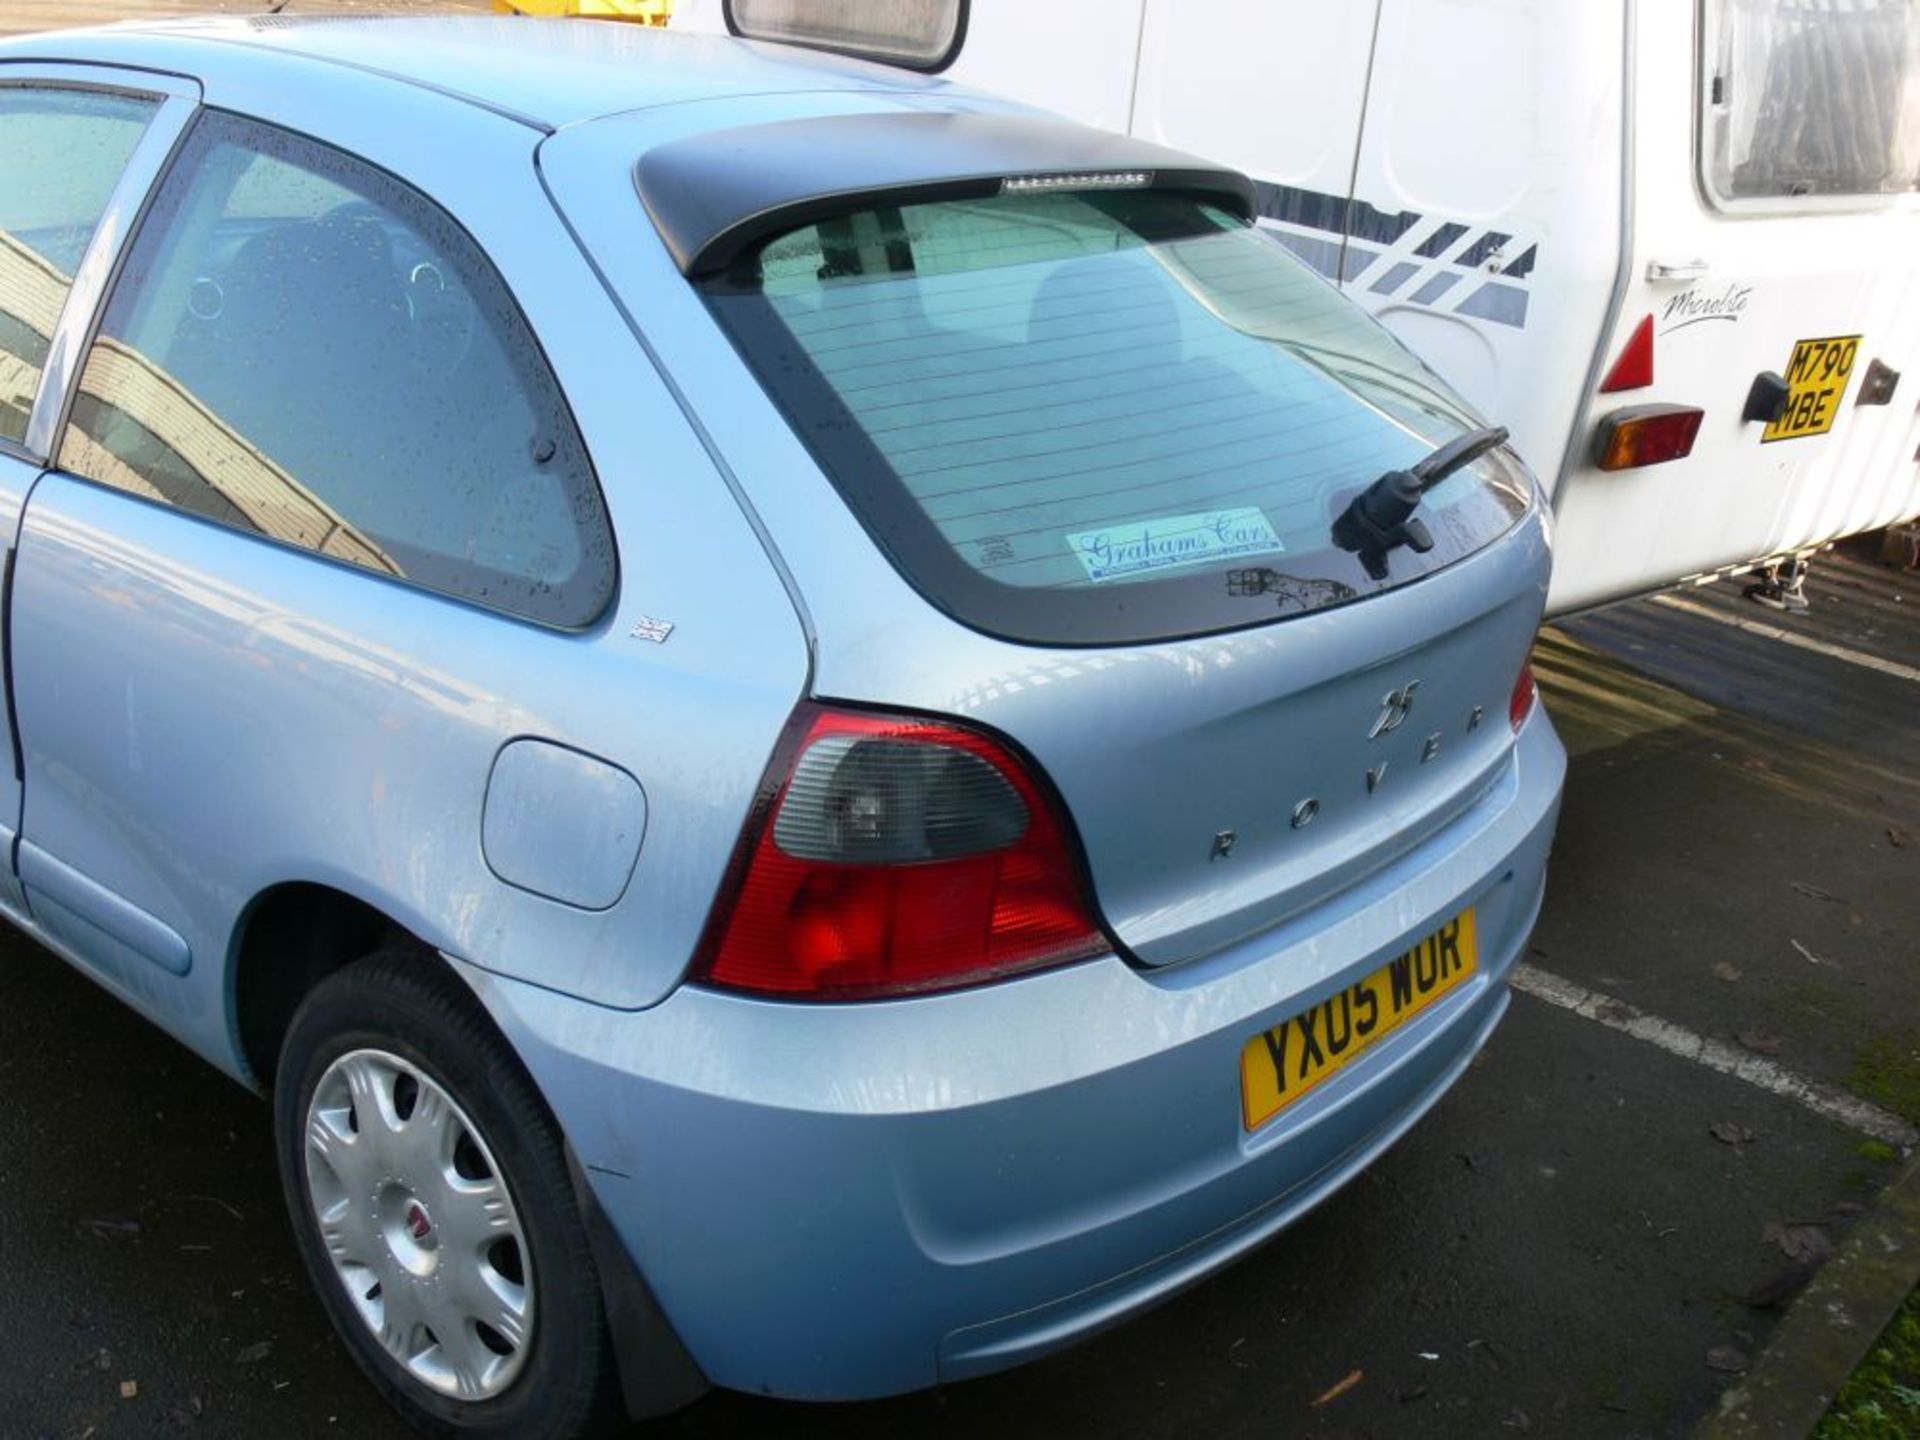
point(419, 1225)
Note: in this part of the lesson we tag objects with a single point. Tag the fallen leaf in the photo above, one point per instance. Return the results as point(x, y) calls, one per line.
point(1761, 1042)
point(191, 1408)
point(1723, 971)
point(259, 1350)
point(1728, 1133)
point(1727, 1359)
point(111, 1229)
point(1811, 958)
point(1814, 892)
point(1900, 838)
point(1333, 1393)
point(1799, 1241)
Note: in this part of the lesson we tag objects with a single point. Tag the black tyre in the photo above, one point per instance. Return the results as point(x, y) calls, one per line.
point(428, 1188)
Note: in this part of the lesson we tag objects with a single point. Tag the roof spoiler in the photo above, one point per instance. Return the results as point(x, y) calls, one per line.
point(714, 196)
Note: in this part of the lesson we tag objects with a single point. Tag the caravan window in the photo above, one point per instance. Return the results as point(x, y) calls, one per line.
point(1810, 98)
point(916, 34)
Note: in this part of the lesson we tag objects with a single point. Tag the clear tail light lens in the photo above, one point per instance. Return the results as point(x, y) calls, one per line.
point(1520, 705)
point(898, 855)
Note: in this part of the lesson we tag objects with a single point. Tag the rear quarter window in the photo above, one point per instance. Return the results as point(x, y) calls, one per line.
point(1099, 417)
point(301, 347)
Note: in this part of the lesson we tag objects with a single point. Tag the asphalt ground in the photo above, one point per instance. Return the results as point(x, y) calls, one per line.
point(1556, 1250)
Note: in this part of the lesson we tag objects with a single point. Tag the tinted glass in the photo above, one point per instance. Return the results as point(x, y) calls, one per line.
point(61, 154)
point(1812, 98)
point(1100, 416)
point(302, 347)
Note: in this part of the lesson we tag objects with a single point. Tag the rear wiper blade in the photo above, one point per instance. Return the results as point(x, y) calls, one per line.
point(1381, 519)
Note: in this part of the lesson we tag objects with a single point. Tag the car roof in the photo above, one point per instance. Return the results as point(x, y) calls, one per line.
point(550, 73)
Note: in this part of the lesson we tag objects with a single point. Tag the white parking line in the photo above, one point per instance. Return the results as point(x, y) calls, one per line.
point(1824, 1100)
point(1804, 642)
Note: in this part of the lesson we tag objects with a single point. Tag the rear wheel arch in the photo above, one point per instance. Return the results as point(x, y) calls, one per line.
point(290, 938)
point(295, 936)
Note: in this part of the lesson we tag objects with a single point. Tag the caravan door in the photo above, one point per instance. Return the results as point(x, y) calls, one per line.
point(1274, 89)
point(1776, 221)
point(1488, 195)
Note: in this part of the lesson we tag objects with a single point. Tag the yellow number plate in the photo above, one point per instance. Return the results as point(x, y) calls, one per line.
point(1816, 381)
point(1280, 1065)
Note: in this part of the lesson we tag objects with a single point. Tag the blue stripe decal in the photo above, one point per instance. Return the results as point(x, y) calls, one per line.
point(1482, 250)
point(1502, 304)
point(1441, 241)
point(1395, 277)
point(1433, 289)
point(1375, 240)
point(1322, 255)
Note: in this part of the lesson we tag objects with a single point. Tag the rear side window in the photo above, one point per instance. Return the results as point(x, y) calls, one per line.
point(61, 154)
point(302, 347)
point(1100, 417)
point(1810, 98)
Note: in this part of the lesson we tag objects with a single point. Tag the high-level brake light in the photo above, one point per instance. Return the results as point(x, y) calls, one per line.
point(1092, 180)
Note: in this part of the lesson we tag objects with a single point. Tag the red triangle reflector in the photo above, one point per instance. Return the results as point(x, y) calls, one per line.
point(1634, 369)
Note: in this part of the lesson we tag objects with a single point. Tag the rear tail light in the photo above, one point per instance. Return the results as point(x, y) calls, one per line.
point(1520, 704)
point(898, 855)
point(1646, 435)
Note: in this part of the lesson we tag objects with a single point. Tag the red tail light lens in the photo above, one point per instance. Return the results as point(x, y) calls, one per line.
point(1525, 692)
point(1646, 435)
point(899, 855)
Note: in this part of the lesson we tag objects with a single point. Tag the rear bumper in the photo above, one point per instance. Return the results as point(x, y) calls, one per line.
point(849, 1201)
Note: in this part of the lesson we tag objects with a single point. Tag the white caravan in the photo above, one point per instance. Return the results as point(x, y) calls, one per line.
point(1674, 245)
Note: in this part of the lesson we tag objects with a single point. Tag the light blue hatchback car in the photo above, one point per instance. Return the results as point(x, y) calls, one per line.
point(819, 732)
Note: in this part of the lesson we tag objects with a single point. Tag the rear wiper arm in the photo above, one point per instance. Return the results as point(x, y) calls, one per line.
point(1381, 517)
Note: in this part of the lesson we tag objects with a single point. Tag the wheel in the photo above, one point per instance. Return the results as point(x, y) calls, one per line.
point(429, 1195)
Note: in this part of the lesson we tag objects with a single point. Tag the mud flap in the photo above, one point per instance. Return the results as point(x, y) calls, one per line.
point(657, 1375)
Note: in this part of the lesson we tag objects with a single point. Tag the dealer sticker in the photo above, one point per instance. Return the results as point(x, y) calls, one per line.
point(1171, 541)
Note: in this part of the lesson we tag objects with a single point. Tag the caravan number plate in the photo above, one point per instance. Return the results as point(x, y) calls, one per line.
point(1816, 381)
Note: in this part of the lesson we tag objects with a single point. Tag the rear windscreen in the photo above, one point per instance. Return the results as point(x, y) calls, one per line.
point(1100, 416)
